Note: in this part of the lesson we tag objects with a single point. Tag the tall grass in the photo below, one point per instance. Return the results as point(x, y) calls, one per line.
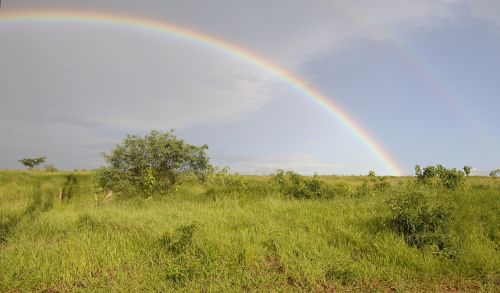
point(246, 236)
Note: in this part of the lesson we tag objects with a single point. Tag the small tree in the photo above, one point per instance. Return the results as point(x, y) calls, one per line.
point(418, 171)
point(155, 162)
point(426, 174)
point(467, 170)
point(32, 162)
point(494, 173)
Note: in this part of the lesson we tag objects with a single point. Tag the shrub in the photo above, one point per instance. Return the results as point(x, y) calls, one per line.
point(380, 183)
point(297, 186)
point(426, 174)
point(449, 178)
point(50, 168)
point(420, 223)
point(495, 173)
point(452, 178)
point(373, 184)
point(155, 162)
point(216, 176)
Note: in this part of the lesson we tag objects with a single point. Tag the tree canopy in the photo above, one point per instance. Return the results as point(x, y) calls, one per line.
point(156, 162)
point(32, 162)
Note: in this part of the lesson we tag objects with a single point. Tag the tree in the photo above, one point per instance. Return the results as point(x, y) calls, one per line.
point(156, 162)
point(467, 170)
point(494, 173)
point(32, 162)
point(418, 171)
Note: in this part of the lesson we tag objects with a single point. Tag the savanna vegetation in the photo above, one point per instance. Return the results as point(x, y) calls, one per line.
point(144, 223)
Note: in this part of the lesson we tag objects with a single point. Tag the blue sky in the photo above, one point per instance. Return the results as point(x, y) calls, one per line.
point(422, 77)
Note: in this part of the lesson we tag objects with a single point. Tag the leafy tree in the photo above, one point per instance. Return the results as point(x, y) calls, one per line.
point(418, 171)
point(467, 170)
point(156, 162)
point(426, 174)
point(452, 178)
point(494, 173)
point(32, 162)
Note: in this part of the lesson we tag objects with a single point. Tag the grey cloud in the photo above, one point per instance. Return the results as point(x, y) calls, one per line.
point(305, 164)
point(63, 87)
point(288, 32)
point(486, 9)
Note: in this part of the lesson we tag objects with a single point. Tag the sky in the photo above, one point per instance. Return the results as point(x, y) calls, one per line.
point(421, 77)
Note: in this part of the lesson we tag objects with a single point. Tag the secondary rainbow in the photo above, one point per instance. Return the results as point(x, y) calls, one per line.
point(162, 27)
point(419, 67)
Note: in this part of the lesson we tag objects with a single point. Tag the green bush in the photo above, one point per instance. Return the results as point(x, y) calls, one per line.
point(448, 178)
point(452, 178)
point(373, 184)
point(494, 173)
point(156, 162)
point(421, 223)
point(298, 186)
point(425, 175)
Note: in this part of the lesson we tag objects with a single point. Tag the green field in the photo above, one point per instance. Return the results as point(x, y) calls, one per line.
point(243, 235)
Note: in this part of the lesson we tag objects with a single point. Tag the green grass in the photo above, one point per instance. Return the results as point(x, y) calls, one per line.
point(216, 239)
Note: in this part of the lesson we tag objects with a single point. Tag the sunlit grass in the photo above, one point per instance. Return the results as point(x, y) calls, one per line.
point(252, 239)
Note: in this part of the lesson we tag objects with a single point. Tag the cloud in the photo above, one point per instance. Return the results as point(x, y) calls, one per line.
point(74, 85)
point(89, 77)
point(305, 164)
point(289, 32)
point(121, 78)
point(486, 9)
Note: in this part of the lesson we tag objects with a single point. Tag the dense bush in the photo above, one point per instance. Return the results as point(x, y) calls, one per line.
point(448, 178)
point(421, 223)
point(156, 162)
point(494, 173)
point(297, 186)
point(373, 184)
point(452, 178)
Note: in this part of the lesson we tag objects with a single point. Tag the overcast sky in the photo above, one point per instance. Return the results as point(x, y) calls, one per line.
point(421, 76)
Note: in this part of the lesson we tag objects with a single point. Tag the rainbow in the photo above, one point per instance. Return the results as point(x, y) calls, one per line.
point(203, 39)
point(420, 68)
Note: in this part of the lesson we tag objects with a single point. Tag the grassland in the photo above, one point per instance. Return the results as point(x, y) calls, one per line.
point(240, 237)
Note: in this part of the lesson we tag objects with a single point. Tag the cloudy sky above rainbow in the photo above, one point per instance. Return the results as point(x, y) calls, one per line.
point(334, 87)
